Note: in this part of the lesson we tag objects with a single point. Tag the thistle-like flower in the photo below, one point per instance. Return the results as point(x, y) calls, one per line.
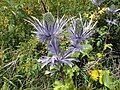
point(58, 57)
point(80, 31)
point(49, 28)
point(112, 10)
point(112, 22)
point(97, 2)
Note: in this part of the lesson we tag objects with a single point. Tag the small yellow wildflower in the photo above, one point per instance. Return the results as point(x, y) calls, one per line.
point(92, 16)
point(100, 55)
point(102, 10)
point(5, 22)
point(86, 15)
point(98, 75)
point(94, 74)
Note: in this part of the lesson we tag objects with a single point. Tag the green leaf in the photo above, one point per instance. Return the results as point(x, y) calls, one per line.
point(47, 72)
point(35, 67)
point(58, 85)
point(76, 54)
point(107, 80)
point(5, 86)
point(86, 48)
point(107, 46)
point(100, 55)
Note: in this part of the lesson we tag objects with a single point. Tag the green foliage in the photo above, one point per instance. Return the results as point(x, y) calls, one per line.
point(20, 49)
point(68, 83)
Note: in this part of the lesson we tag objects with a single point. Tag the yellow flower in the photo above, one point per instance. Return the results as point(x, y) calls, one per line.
point(92, 16)
point(97, 75)
point(86, 15)
point(94, 74)
point(5, 22)
point(102, 10)
point(100, 55)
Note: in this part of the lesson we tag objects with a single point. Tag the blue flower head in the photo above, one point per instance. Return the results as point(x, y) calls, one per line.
point(97, 2)
point(80, 31)
point(112, 10)
point(58, 57)
point(112, 22)
point(49, 31)
point(49, 28)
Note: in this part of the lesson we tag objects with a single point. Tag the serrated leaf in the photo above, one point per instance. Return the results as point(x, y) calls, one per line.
point(48, 18)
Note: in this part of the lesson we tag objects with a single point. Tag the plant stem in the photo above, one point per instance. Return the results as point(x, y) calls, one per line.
point(43, 4)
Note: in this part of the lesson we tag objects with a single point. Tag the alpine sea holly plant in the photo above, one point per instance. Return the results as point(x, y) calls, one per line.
point(80, 31)
point(58, 57)
point(111, 11)
point(50, 30)
point(97, 2)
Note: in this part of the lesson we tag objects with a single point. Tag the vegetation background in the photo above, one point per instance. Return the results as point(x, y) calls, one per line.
point(20, 49)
